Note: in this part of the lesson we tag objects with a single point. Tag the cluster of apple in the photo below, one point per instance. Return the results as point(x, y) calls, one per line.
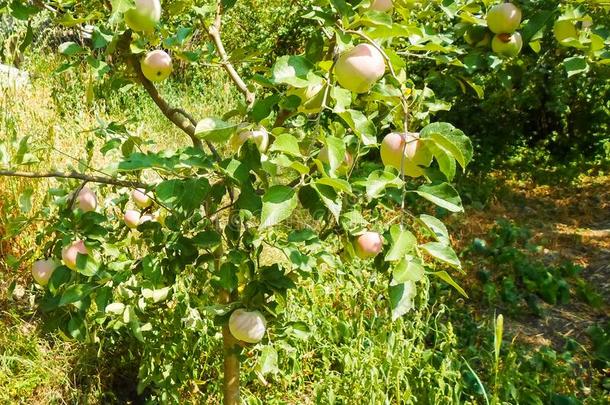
point(86, 201)
point(503, 21)
point(143, 17)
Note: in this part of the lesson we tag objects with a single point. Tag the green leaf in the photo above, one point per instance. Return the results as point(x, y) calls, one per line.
point(443, 253)
point(295, 71)
point(278, 204)
point(378, 181)
point(115, 308)
point(361, 125)
point(70, 48)
point(443, 195)
point(214, 130)
point(499, 331)
point(86, 265)
point(25, 200)
point(403, 242)
point(286, 143)
point(75, 293)
point(451, 140)
point(331, 200)
point(207, 239)
point(408, 270)
point(267, 361)
point(575, 65)
point(336, 152)
point(443, 275)
point(337, 184)
point(401, 298)
point(436, 227)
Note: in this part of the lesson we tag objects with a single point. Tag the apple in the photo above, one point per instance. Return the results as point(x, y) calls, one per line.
point(311, 98)
point(368, 245)
point(69, 254)
point(359, 68)
point(42, 270)
point(247, 326)
point(140, 198)
point(86, 200)
point(132, 218)
point(477, 36)
point(144, 16)
point(396, 145)
point(565, 31)
point(504, 18)
point(259, 136)
point(381, 5)
point(157, 65)
point(507, 44)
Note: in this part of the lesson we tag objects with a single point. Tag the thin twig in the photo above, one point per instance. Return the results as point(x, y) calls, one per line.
point(214, 32)
point(75, 175)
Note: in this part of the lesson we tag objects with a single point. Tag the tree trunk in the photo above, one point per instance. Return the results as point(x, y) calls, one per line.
point(231, 351)
point(231, 368)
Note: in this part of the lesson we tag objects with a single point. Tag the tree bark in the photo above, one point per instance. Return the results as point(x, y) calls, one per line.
point(231, 349)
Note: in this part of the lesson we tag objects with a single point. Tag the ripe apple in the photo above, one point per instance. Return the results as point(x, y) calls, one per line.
point(42, 270)
point(368, 245)
point(507, 44)
point(504, 18)
point(157, 65)
point(359, 68)
point(247, 326)
point(396, 145)
point(86, 200)
point(69, 254)
point(259, 136)
point(132, 218)
point(144, 16)
point(565, 31)
point(381, 5)
point(140, 198)
point(477, 36)
point(311, 98)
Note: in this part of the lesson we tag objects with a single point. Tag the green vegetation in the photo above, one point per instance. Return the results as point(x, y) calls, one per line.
point(514, 315)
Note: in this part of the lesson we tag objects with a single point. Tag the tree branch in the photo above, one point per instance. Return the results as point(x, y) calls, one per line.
point(214, 32)
point(75, 175)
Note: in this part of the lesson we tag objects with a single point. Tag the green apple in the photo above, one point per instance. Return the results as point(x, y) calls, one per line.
point(247, 326)
point(368, 245)
point(381, 5)
point(507, 44)
point(359, 68)
point(348, 160)
point(42, 270)
point(157, 66)
point(406, 151)
point(140, 199)
point(504, 18)
point(144, 16)
point(565, 31)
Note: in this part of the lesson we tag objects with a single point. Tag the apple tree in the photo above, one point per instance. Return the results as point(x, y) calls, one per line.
point(333, 158)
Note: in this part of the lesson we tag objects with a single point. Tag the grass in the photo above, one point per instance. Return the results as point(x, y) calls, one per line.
point(339, 346)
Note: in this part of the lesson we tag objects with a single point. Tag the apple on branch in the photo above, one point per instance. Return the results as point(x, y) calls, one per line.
point(86, 200)
point(507, 44)
point(504, 18)
point(406, 152)
point(140, 199)
point(42, 270)
point(70, 253)
point(381, 5)
point(368, 245)
point(247, 326)
point(157, 66)
point(144, 16)
point(359, 68)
